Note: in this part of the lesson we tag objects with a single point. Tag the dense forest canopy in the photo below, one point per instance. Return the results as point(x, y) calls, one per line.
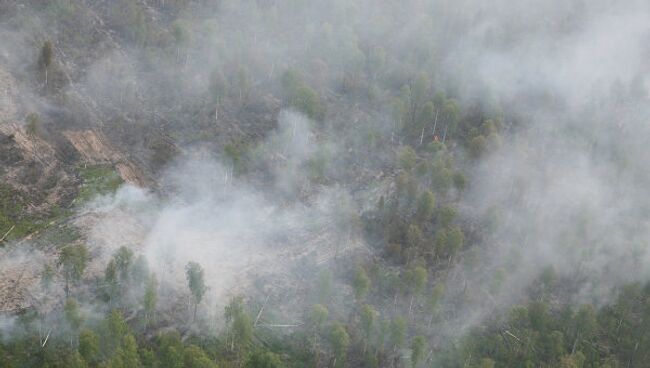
point(292, 183)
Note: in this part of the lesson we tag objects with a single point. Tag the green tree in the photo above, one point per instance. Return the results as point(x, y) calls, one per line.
point(181, 38)
point(89, 346)
point(114, 328)
point(123, 261)
point(127, 354)
point(140, 271)
point(73, 317)
point(440, 242)
point(397, 332)
point(340, 341)
point(47, 276)
point(72, 261)
point(426, 205)
point(195, 357)
point(368, 315)
point(477, 146)
point(407, 158)
point(241, 327)
point(242, 331)
point(433, 302)
point(45, 59)
point(75, 360)
point(196, 283)
point(150, 299)
point(576, 360)
point(417, 350)
point(301, 96)
point(171, 350)
point(455, 240)
point(416, 281)
point(446, 216)
point(244, 84)
point(111, 282)
point(324, 286)
point(361, 284)
point(33, 124)
point(318, 317)
point(264, 359)
point(486, 363)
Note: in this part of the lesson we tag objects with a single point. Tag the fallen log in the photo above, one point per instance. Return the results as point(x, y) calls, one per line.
point(7, 233)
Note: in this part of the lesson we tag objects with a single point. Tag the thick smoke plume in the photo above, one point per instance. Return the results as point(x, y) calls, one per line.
point(567, 189)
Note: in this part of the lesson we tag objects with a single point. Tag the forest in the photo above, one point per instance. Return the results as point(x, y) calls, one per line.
point(352, 183)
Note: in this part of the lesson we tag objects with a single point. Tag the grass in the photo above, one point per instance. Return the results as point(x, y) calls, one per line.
point(12, 214)
point(97, 180)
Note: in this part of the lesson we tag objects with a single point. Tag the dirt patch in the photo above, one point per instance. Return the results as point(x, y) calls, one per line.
point(95, 149)
point(20, 273)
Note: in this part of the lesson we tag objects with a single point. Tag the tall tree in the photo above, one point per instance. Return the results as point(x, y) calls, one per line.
point(416, 281)
point(45, 59)
point(89, 346)
point(361, 284)
point(433, 301)
point(417, 350)
point(241, 326)
point(368, 315)
point(150, 299)
point(73, 317)
point(195, 357)
point(340, 341)
point(264, 359)
point(397, 333)
point(196, 283)
point(72, 261)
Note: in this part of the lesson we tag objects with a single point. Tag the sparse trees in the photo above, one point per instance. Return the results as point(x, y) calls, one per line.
point(196, 283)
